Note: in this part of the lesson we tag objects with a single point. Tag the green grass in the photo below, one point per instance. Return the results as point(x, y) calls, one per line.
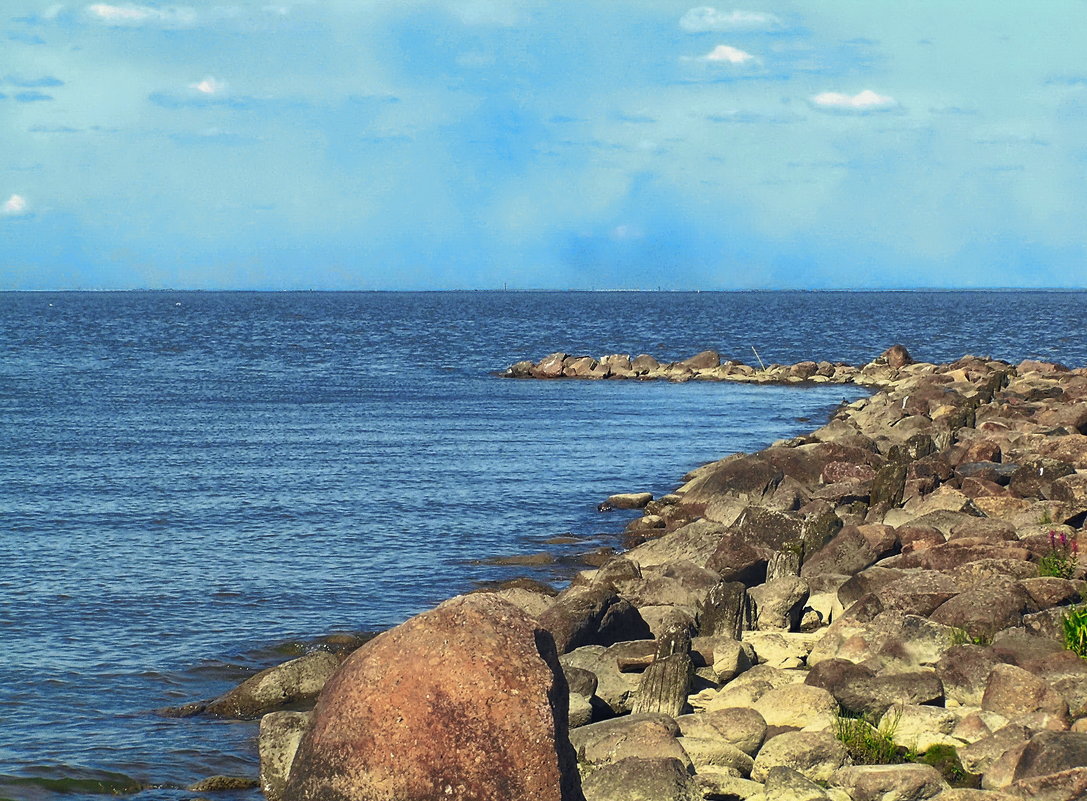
point(874, 745)
point(962, 637)
point(1074, 627)
point(868, 744)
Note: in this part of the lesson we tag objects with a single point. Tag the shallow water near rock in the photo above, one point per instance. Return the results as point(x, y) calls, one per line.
point(197, 485)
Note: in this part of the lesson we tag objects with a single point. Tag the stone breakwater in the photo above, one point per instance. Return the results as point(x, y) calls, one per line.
point(708, 366)
point(882, 576)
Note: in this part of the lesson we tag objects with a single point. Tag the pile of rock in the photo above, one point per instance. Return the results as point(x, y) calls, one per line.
point(886, 567)
point(708, 366)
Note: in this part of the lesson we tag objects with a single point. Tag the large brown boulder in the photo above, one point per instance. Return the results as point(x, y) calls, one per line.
point(466, 701)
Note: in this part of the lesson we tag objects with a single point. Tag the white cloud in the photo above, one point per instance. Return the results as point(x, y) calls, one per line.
point(724, 54)
point(705, 18)
point(14, 206)
point(859, 103)
point(209, 86)
point(169, 16)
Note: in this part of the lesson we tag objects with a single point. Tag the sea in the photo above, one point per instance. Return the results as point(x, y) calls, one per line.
point(197, 485)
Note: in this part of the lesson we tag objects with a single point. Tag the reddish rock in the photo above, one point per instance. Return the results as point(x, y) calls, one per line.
point(918, 538)
point(835, 472)
point(986, 609)
point(976, 487)
point(977, 450)
point(466, 701)
point(643, 364)
point(897, 356)
point(1014, 693)
point(1071, 449)
point(705, 360)
point(550, 366)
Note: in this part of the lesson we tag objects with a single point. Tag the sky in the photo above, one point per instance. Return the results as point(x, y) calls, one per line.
point(581, 144)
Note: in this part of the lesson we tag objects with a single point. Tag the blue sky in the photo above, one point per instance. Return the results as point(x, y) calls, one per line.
point(384, 144)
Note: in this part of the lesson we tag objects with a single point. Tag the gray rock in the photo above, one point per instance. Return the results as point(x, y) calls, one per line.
point(277, 743)
point(1016, 693)
point(646, 736)
point(886, 782)
point(798, 706)
point(964, 671)
point(641, 779)
point(613, 688)
point(785, 784)
point(815, 755)
point(777, 604)
point(298, 680)
point(741, 727)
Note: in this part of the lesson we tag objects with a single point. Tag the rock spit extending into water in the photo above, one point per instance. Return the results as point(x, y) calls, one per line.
point(885, 565)
point(707, 366)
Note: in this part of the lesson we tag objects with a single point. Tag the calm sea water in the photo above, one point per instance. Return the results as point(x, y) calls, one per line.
point(190, 482)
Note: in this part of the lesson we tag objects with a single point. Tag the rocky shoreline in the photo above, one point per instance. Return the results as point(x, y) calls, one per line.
point(877, 610)
point(708, 366)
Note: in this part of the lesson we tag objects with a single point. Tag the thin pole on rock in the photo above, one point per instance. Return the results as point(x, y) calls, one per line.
point(757, 356)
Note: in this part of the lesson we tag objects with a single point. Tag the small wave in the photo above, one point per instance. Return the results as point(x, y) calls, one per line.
point(71, 781)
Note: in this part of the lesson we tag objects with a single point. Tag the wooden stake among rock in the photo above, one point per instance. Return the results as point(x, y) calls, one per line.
point(667, 682)
point(725, 610)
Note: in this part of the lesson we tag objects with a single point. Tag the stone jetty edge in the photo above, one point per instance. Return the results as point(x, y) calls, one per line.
point(709, 366)
point(905, 568)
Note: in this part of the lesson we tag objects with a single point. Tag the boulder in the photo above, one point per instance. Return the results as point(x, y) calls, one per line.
point(986, 609)
point(298, 680)
point(742, 727)
point(466, 700)
point(592, 616)
point(629, 500)
point(884, 782)
point(1051, 752)
point(1016, 693)
point(650, 736)
point(550, 366)
point(639, 779)
point(785, 784)
point(981, 755)
point(776, 605)
point(964, 671)
point(277, 743)
point(851, 550)
point(714, 754)
point(613, 687)
point(705, 360)
point(798, 706)
point(814, 755)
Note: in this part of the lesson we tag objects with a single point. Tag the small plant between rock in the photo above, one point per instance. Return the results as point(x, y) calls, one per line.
point(1074, 629)
point(1062, 559)
point(963, 637)
point(868, 744)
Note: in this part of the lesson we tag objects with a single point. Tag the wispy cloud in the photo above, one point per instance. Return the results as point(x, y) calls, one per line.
point(209, 86)
point(14, 206)
point(124, 15)
point(31, 96)
point(705, 19)
point(861, 103)
point(32, 83)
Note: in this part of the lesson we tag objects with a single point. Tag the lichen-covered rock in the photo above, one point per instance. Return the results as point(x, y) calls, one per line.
point(890, 782)
point(1015, 693)
point(650, 736)
point(467, 701)
point(741, 727)
point(277, 743)
point(798, 706)
point(815, 755)
point(298, 680)
point(640, 779)
point(777, 603)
